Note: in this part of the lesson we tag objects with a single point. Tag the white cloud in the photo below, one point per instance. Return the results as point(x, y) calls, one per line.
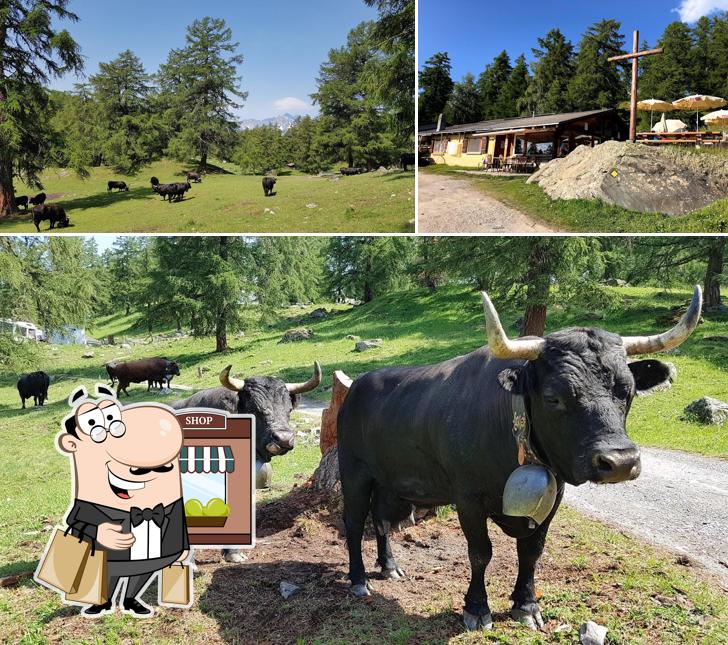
point(292, 105)
point(692, 10)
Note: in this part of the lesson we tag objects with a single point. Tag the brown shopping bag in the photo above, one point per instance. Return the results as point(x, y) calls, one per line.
point(94, 582)
point(176, 585)
point(63, 562)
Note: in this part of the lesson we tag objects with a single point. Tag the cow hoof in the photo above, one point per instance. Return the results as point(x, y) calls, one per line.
point(530, 618)
point(475, 623)
point(361, 591)
point(392, 574)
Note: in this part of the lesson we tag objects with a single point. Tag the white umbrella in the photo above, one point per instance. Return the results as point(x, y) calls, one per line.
point(655, 105)
point(718, 118)
point(699, 102)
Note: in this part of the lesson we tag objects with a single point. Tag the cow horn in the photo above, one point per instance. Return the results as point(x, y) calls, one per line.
point(499, 344)
point(672, 338)
point(311, 384)
point(229, 382)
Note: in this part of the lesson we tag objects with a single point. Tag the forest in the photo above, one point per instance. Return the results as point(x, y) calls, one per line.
point(564, 77)
point(124, 116)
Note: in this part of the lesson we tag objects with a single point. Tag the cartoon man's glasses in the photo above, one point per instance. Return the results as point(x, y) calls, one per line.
point(100, 422)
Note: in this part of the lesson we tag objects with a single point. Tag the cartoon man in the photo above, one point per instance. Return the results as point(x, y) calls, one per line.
point(127, 490)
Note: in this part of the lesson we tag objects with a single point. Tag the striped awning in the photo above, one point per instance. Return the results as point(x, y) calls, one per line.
point(206, 459)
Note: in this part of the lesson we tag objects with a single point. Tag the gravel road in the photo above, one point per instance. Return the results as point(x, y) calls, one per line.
point(680, 501)
point(449, 205)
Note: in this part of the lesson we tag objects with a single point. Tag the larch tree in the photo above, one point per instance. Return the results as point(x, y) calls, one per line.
point(553, 69)
point(514, 89)
point(436, 87)
point(464, 104)
point(32, 52)
point(202, 87)
point(491, 83)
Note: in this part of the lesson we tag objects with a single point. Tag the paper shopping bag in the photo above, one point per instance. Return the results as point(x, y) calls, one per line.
point(94, 582)
point(63, 562)
point(176, 585)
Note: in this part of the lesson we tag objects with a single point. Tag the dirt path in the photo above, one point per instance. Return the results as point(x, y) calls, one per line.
point(449, 205)
point(679, 501)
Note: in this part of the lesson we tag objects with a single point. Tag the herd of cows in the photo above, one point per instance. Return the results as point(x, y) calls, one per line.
point(456, 432)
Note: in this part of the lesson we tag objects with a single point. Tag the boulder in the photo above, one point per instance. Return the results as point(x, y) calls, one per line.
point(288, 589)
point(590, 633)
point(87, 355)
point(353, 337)
point(364, 345)
point(616, 282)
point(707, 410)
point(647, 179)
point(340, 388)
point(296, 336)
point(319, 313)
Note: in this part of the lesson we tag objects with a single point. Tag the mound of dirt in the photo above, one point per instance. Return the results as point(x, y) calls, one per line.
point(637, 177)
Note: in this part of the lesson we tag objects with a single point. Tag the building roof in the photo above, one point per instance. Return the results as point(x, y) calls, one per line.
point(517, 123)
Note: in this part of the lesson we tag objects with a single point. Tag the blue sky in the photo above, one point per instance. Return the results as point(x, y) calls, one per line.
point(473, 32)
point(284, 42)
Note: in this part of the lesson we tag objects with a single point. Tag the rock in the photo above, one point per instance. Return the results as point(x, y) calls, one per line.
point(311, 205)
point(353, 337)
point(707, 410)
point(319, 313)
point(125, 346)
point(266, 362)
point(288, 589)
point(364, 345)
point(616, 282)
point(263, 474)
point(341, 384)
point(296, 335)
point(166, 391)
point(87, 355)
point(647, 179)
point(592, 634)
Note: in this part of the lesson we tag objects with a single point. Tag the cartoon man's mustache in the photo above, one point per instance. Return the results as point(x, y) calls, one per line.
point(146, 471)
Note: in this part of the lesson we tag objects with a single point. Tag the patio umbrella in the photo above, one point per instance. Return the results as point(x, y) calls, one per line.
point(655, 105)
point(699, 102)
point(718, 118)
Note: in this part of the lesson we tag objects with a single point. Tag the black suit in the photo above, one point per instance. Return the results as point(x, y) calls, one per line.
point(85, 518)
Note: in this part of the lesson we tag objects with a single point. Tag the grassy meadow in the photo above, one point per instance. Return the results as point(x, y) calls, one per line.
point(417, 327)
point(226, 202)
point(589, 216)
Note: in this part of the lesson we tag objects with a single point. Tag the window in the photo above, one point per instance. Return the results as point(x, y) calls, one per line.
point(473, 146)
point(439, 146)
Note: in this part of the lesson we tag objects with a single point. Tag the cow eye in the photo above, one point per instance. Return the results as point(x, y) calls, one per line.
point(554, 402)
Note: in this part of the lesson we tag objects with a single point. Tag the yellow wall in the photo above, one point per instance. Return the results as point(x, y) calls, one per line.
point(456, 157)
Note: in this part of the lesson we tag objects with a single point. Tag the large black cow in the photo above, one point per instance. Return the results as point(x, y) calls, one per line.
point(34, 385)
point(121, 186)
point(269, 184)
point(54, 213)
point(447, 434)
point(145, 369)
point(269, 399)
point(407, 159)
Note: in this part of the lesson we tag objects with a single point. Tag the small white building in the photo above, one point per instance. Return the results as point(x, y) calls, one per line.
point(21, 329)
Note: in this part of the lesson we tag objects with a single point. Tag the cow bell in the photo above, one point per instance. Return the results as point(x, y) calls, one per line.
point(263, 474)
point(530, 492)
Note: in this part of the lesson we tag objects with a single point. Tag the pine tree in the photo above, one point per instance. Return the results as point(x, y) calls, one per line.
point(668, 76)
point(552, 71)
point(260, 150)
point(510, 103)
point(31, 52)
point(201, 84)
point(491, 83)
point(464, 104)
point(300, 144)
point(597, 83)
point(716, 78)
point(436, 87)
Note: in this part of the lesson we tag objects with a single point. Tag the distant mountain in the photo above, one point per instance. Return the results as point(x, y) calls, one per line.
point(282, 122)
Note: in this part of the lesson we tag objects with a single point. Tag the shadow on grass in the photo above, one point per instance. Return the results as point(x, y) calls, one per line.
point(102, 200)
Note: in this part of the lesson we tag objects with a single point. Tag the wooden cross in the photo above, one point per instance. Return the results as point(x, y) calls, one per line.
point(634, 57)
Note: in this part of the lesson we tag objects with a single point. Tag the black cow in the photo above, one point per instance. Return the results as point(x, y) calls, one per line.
point(348, 172)
point(146, 369)
point(54, 213)
point(194, 176)
point(38, 200)
point(171, 370)
point(447, 434)
point(22, 201)
point(119, 185)
point(175, 192)
point(34, 385)
point(407, 159)
point(268, 186)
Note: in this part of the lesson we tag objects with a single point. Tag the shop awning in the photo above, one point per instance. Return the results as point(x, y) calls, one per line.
point(206, 459)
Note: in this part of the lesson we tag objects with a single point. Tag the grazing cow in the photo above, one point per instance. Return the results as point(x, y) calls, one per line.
point(119, 185)
point(347, 172)
point(268, 186)
point(194, 176)
point(175, 192)
point(22, 201)
point(454, 432)
point(34, 385)
point(38, 200)
point(146, 369)
point(407, 159)
point(54, 213)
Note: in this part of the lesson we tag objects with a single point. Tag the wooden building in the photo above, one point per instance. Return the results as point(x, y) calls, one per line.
point(533, 139)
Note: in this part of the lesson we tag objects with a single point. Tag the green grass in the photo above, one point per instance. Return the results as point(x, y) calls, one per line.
point(417, 327)
point(591, 216)
point(227, 202)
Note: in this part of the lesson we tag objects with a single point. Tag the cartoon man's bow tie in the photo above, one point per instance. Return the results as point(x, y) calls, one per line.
point(139, 515)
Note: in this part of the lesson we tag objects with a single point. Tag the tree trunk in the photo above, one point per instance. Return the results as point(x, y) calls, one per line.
point(350, 157)
point(203, 159)
point(538, 280)
point(7, 194)
point(534, 321)
point(711, 284)
point(221, 344)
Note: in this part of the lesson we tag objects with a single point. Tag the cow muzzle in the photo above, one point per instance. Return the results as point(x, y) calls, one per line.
point(281, 444)
point(614, 466)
